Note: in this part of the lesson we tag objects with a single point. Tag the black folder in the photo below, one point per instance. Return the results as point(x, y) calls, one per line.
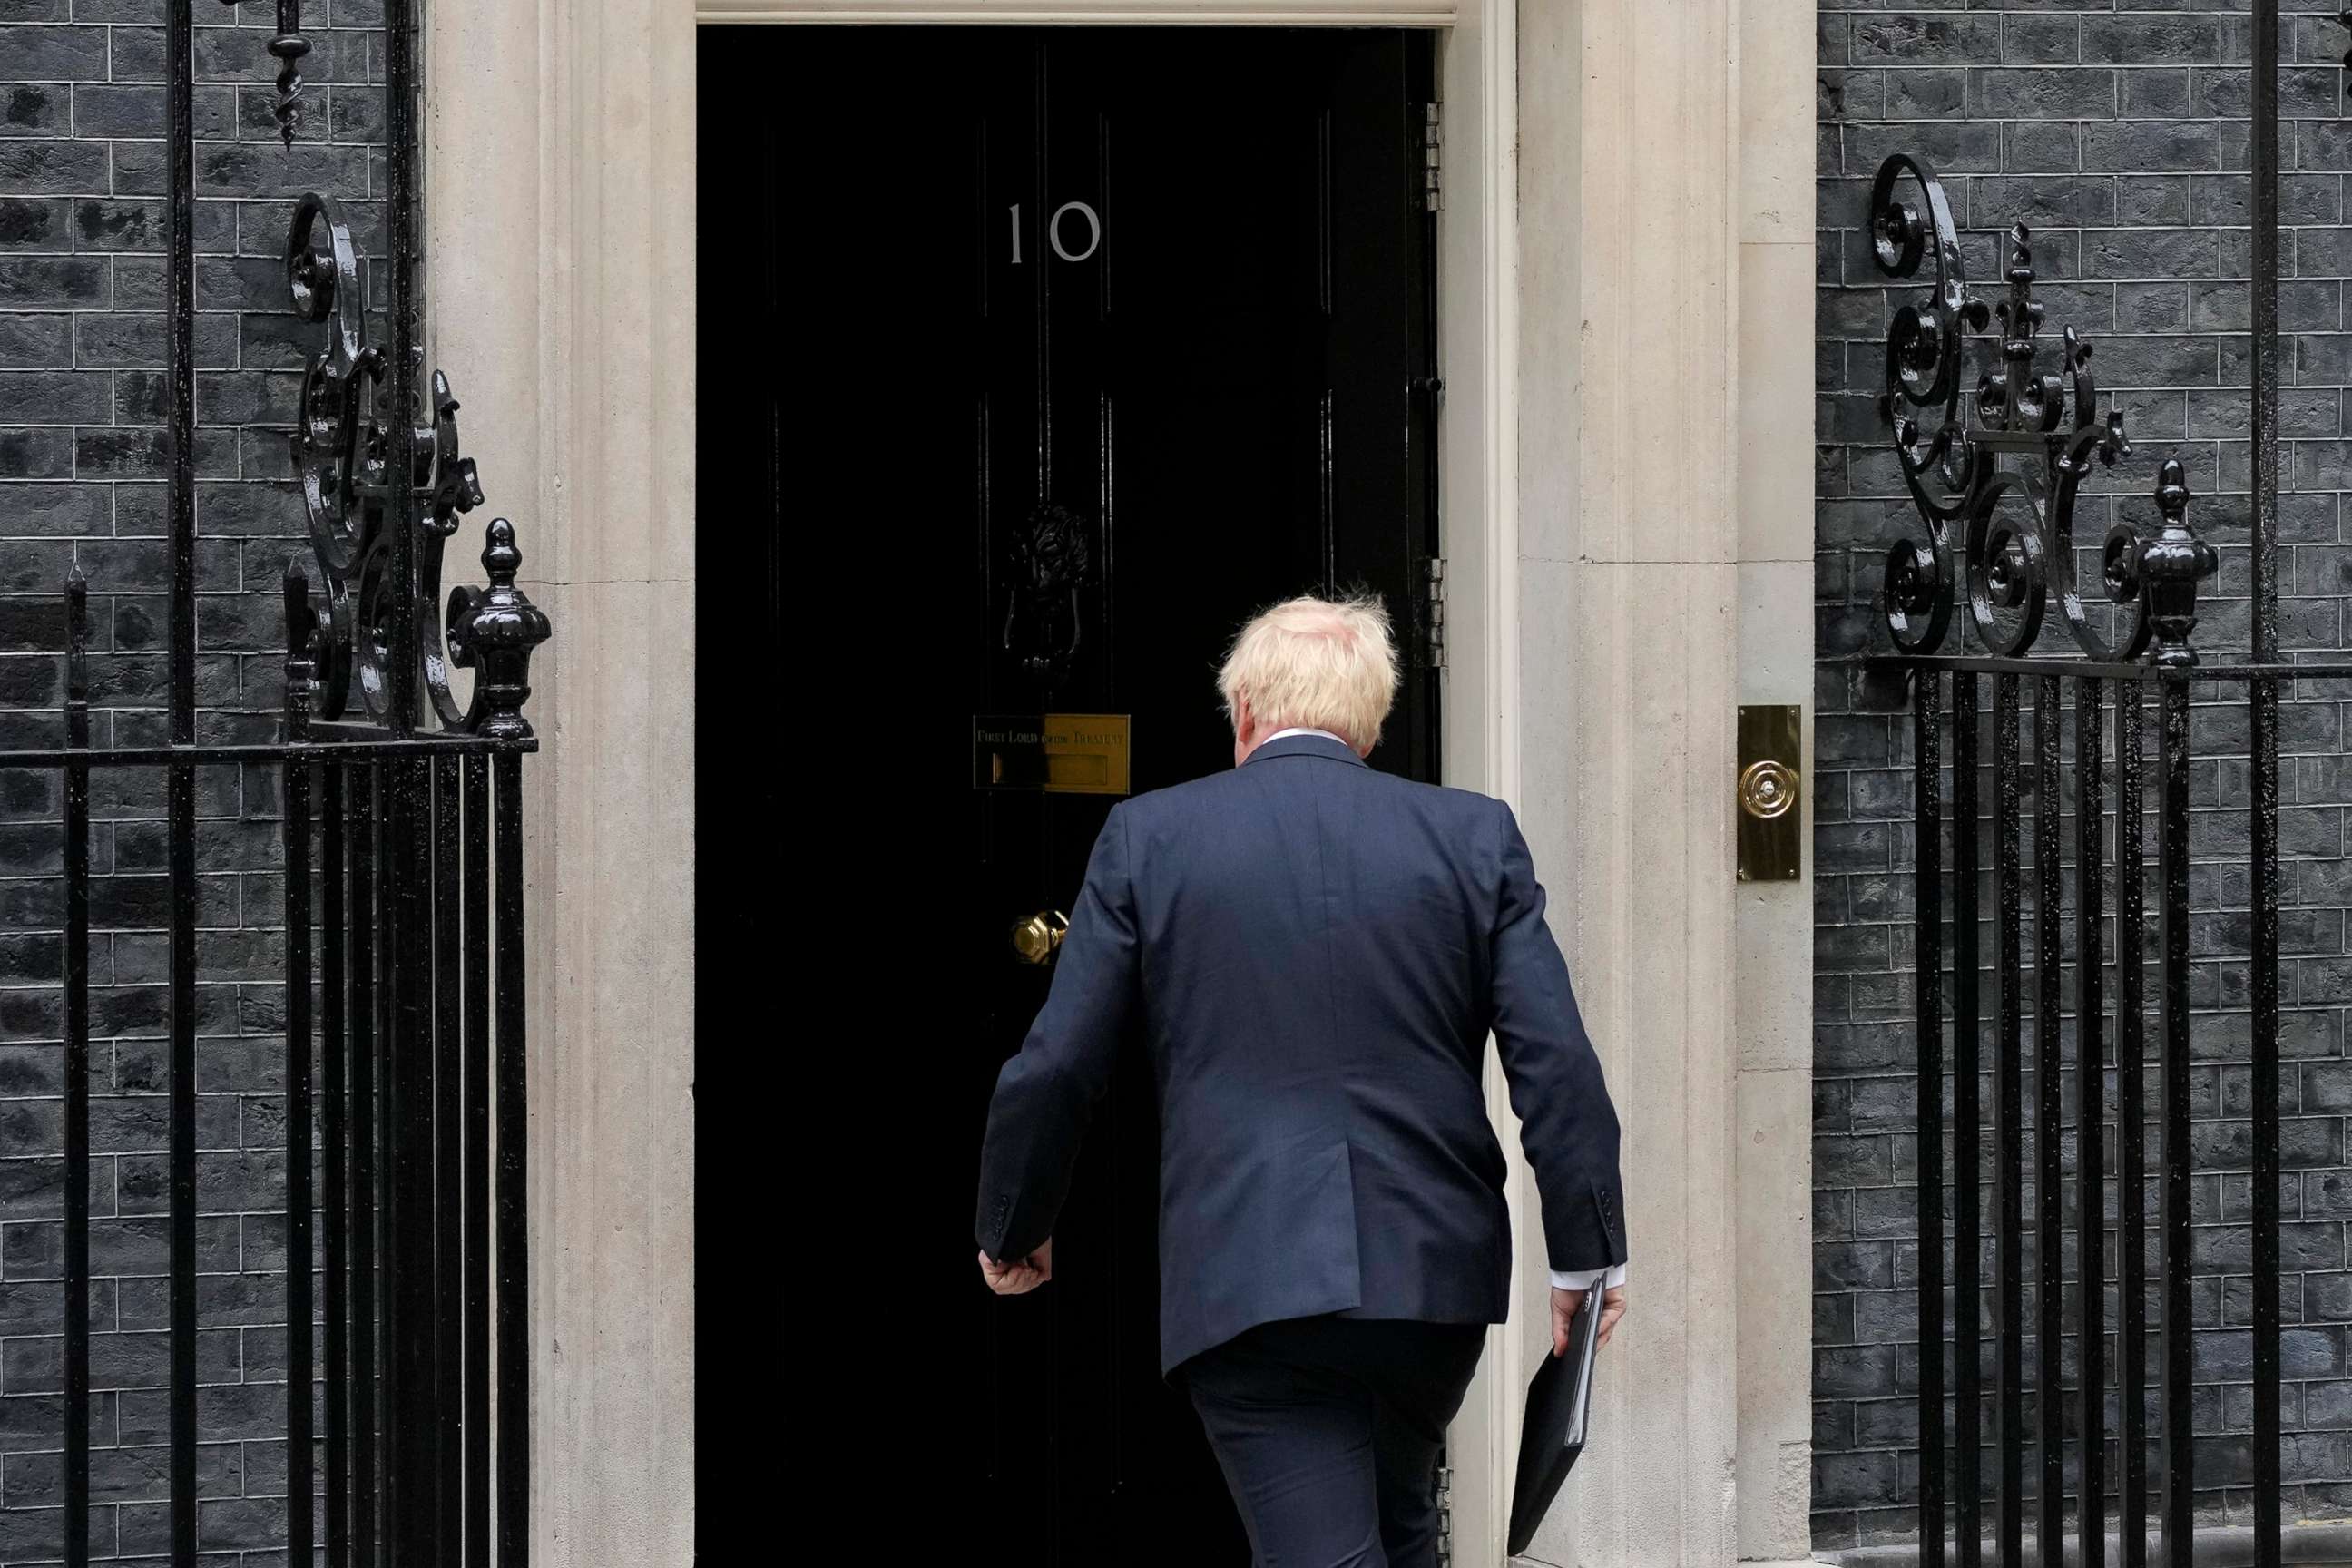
point(1559, 1415)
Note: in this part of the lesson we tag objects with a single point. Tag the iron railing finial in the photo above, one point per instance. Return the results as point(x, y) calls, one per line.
point(2173, 564)
point(492, 631)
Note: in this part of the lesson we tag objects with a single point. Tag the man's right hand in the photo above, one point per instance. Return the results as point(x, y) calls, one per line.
point(1566, 1304)
point(1022, 1275)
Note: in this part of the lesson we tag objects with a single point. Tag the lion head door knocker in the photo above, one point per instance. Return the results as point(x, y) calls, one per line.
point(1044, 604)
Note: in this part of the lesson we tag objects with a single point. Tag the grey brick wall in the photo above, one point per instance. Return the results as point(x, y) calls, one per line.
point(82, 454)
point(2108, 128)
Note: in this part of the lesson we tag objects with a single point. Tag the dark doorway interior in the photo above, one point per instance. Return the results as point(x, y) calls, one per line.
point(1031, 363)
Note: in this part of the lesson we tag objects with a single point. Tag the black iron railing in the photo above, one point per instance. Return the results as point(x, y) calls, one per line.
point(2105, 755)
point(1995, 474)
point(404, 1029)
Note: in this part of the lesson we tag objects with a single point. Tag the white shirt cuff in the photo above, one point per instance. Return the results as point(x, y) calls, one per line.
point(1585, 1278)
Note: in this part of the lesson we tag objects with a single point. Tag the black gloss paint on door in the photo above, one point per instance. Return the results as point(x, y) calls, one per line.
point(1031, 362)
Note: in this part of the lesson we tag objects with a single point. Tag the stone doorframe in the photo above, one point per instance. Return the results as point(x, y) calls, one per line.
point(1625, 322)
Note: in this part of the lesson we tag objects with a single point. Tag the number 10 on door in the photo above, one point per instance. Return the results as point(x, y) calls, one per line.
point(1054, 231)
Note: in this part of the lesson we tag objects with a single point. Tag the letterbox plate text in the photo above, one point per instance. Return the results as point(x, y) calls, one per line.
point(1063, 754)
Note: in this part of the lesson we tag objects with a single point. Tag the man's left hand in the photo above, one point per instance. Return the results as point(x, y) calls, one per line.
point(1022, 1275)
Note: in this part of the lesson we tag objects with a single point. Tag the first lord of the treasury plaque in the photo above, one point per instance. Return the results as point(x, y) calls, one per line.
point(1063, 754)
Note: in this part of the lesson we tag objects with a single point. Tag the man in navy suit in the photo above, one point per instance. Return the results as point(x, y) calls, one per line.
point(1317, 953)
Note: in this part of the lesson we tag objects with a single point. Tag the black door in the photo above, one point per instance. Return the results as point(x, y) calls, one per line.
point(1031, 363)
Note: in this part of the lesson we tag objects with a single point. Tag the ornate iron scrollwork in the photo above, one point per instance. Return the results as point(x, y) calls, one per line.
point(2050, 424)
point(342, 449)
point(358, 508)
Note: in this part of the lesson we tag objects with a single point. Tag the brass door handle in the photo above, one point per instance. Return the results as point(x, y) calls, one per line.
point(1037, 938)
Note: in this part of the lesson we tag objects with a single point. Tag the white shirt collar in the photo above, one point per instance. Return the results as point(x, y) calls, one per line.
point(1303, 730)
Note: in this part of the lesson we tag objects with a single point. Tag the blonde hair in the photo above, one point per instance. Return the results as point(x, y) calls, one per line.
point(1315, 664)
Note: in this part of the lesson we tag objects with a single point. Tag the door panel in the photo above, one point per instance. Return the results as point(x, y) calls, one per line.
point(1031, 363)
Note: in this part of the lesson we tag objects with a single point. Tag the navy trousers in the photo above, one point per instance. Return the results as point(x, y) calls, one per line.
point(1328, 1431)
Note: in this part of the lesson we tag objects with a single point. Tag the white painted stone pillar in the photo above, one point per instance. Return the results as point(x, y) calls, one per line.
point(1664, 577)
point(561, 246)
point(1774, 923)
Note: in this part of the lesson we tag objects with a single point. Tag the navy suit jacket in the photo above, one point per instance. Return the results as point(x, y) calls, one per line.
point(1317, 952)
